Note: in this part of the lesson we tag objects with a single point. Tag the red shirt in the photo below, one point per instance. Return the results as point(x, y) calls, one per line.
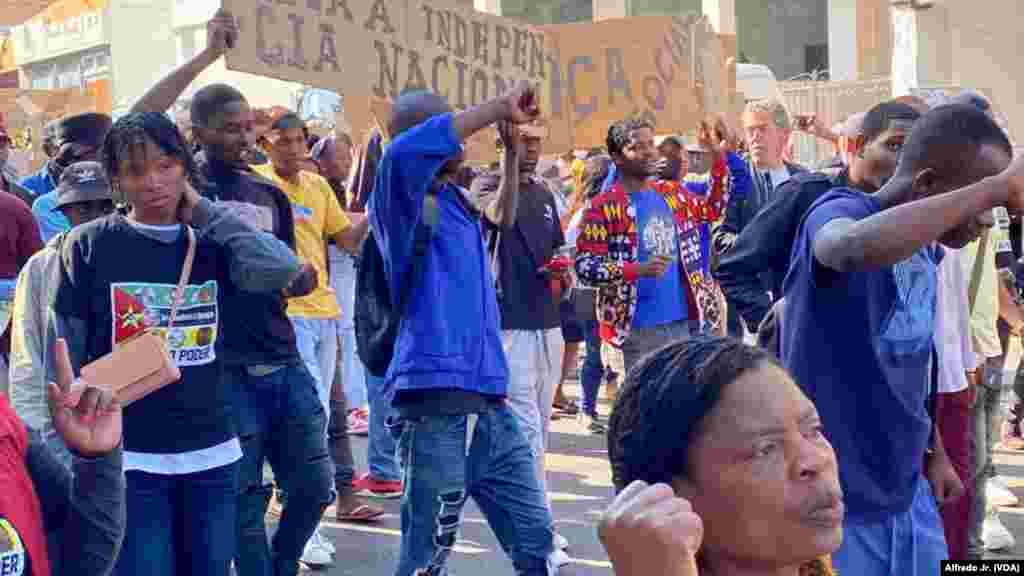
point(19, 235)
point(22, 539)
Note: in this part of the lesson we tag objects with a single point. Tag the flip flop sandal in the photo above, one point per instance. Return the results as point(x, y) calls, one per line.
point(568, 407)
point(361, 513)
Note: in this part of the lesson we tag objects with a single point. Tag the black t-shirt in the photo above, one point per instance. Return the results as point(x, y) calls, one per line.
point(256, 326)
point(527, 302)
point(120, 282)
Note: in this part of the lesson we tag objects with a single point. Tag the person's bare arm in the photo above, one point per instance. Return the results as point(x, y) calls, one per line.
point(1009, 311)
point(895, 234)
point(503, 209)
point(351, 238)
point(518, 106)
point(221, 33)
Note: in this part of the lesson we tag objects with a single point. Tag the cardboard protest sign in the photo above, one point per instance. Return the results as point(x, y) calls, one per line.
point(26, 112)
point(380, 48)
point(668, 69)
point(609, 70)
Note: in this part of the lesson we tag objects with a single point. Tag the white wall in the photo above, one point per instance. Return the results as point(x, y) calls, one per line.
point(987, 46)
point(842, 39)
point(37, 40)
point(135, 70)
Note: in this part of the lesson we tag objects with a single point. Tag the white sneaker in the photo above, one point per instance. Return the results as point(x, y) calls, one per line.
point(318, 551)
point(998, 495)
point(323, 541)
point(559, 558)
point(995, 535)
point(560, 542)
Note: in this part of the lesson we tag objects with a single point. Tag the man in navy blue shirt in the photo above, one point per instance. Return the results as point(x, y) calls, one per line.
point(858, 325)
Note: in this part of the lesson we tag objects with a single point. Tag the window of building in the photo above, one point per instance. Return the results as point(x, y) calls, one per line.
point(41, 82)
point(549, 11)
point(90, 20)
point(663, 7)
point(815, 58)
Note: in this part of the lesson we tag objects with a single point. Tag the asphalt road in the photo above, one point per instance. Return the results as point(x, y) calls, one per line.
point(579, 481)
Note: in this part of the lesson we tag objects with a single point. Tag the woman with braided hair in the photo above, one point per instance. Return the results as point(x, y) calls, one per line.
point(119, 278)
point(721, 468)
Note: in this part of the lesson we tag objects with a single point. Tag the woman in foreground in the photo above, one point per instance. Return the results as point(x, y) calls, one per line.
point(721, 468)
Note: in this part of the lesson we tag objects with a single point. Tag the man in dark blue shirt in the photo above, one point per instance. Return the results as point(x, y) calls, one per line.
point(858, 325)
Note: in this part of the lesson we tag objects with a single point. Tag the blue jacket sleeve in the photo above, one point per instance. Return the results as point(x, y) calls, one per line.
point(409, 165)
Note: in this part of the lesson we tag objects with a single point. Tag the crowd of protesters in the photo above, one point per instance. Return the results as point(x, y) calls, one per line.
point(812, 361)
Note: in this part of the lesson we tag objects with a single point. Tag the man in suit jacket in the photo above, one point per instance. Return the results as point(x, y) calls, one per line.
point(767, 128)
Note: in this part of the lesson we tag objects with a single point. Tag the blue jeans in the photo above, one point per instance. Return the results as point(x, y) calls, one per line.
point(643, 341)
point(986, 420)
point(911, 543)
point(449, 458)
point(593, 368)
point(180, 525)
point(281, 421)
point(382, 454)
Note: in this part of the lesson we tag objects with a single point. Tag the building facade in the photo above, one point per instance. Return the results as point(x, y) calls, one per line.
point(789, 36)
point(93, 45)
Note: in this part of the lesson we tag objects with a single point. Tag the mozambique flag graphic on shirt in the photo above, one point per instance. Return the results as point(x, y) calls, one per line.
point(140, 307)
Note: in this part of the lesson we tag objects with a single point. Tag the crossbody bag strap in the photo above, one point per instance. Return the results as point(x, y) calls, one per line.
point(495, 264)
point(186, 272)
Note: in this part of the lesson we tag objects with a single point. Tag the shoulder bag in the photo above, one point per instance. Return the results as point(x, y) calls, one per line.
point(142, 365)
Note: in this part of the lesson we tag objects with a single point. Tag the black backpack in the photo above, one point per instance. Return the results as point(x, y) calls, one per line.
point(376, 318)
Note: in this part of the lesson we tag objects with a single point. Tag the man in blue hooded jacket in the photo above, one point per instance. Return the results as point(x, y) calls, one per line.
point(449, 372)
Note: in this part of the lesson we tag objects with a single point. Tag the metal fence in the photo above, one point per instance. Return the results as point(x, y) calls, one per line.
point(836, 101)
point(832, 102)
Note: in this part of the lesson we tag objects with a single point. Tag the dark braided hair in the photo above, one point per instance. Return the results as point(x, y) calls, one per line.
point(665, 399)
point(130, 133)
point(618, 133)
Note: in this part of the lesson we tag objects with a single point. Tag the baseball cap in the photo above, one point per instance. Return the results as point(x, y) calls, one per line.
point(82, 182)
point(672, 139)
point(89, 129)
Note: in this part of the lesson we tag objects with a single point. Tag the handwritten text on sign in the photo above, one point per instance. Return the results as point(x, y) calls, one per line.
point(588, 74)
point(381, 48)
